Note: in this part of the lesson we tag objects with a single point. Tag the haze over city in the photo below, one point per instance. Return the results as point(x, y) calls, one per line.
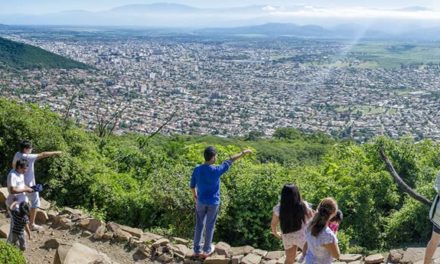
point(396, 15)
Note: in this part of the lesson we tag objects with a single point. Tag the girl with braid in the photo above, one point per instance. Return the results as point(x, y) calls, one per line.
point(321, 241)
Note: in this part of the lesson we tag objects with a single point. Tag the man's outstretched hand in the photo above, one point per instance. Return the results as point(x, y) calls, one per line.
point(247, 152)
point(241, 154)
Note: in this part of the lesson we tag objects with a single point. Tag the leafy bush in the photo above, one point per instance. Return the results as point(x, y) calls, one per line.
point(10, 254)
point(144, 182)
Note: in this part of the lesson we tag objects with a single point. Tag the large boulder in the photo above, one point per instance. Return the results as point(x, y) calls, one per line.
point(107, 236)
point(350, 257)
point(41, 217)
point(160, 242)
point(217, 259)
point(132, 231)
point(178, 240)
point(260, 252)
point(4, 231)
point(251, 259)
point(236, 259)
point(395, 256)
point(374, 259)
point(121, 235)
point(274, 255)
point(71, 211)
point(61, 254)
point(45, 205)
point(62, 222)
point(223, 248)
point(179, 250)
point(244, 250)
point(52, 215)
point(99, 233)
point(142, 253)
point(165, 258)
point(112, 226)
point(4, 193)
point(79, 254)
point(149, 237)
point(91, 224)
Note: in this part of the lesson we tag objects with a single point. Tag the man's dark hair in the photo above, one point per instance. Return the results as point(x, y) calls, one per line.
point(21, 163)
point(25, 144)
point(24, 208)
point(209, 153)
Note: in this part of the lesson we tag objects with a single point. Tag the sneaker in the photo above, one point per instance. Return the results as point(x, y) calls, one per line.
point(35, 227)
point(302, 258)
point(207, 254)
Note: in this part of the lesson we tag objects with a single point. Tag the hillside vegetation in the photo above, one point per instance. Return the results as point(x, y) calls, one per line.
point(17, 55)
point(145, 182)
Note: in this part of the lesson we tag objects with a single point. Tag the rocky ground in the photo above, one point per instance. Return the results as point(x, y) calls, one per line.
point(43, 247)
point(71, 237)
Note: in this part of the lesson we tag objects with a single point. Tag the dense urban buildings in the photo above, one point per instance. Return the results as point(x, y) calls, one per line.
point(232, 86)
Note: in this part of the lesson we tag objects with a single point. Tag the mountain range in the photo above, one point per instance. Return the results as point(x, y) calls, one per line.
point(179, 15)
point(343, 31)
point(264, 20)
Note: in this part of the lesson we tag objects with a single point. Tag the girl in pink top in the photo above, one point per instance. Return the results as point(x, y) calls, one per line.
point(335, 222)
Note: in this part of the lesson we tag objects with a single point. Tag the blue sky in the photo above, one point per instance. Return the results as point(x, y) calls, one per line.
point(49, 6)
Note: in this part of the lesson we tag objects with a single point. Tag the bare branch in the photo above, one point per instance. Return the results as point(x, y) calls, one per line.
point(400, 182)
point(69, 107)
point(116, 116)
point(163, 125)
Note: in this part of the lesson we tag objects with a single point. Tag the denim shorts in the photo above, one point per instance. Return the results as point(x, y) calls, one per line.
point(34, 198)
point(436, 229)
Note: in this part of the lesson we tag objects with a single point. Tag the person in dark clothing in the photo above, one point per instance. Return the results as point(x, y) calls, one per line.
point(19, 222)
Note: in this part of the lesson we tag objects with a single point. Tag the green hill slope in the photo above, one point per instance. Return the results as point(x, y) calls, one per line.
point(22, 56)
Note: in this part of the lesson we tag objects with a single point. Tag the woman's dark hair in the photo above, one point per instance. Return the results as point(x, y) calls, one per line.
point(292, 209)
point(338, 217)
point(326, 208)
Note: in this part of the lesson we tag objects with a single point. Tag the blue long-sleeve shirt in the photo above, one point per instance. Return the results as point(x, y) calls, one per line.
point(206, 178)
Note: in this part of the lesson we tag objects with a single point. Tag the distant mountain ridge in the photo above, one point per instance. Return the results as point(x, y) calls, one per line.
point(18, 55)
point(314, 31)
point(272, 29)
point(156, 7)
point(175, 15)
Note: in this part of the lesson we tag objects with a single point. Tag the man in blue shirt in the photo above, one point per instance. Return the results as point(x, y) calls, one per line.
point(206, 179)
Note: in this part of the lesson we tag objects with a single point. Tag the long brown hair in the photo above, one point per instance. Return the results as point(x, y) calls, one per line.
point(326, 208)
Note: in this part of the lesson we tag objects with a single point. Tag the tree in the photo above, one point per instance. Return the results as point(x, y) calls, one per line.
point(287, 133)
point(402, 185)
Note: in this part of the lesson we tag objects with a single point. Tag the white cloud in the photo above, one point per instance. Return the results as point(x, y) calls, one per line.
point(358, 13)
point(269, 8)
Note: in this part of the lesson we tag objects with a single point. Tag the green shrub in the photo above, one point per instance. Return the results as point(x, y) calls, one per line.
point(144, 182)
point(10, 254)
